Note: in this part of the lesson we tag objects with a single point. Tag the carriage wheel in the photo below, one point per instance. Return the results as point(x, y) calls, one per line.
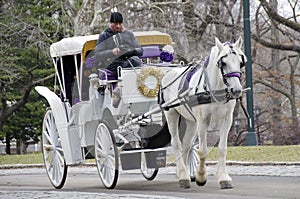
point(106, 155)
point(148, 173)
point(193, 161)
point(53, 154)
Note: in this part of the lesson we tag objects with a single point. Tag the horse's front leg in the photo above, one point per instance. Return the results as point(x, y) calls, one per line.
point(181, 170)
point(201, 177)
point(223, 177)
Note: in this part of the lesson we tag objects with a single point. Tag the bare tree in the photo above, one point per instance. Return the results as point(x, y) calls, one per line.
point(280, 35)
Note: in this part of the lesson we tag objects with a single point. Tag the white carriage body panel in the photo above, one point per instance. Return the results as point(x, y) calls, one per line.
point(130, 91)
point(85, 116)
point(72, 151)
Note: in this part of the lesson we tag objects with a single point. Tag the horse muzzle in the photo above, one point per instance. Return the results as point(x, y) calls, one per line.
point(235, 93)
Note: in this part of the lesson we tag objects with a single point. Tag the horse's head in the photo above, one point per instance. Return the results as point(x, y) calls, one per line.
point(230, 61)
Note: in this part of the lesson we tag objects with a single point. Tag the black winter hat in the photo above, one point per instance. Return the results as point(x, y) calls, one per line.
point(116, 17)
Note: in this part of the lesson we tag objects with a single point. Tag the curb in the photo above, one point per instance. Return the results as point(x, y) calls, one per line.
point(211, 163)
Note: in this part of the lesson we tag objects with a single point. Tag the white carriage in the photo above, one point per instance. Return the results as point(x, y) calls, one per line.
point(83, 123)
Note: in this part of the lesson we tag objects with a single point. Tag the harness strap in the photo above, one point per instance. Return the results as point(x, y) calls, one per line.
point(161, 99)
point(185, 80)
point(177, 77)
point(203, 71)
point(243, 107)
point(189, 108)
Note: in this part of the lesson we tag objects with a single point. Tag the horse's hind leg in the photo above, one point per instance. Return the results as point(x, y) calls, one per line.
point(187, 142)
point(182, 173)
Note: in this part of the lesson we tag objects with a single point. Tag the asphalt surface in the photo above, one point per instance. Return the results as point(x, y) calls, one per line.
point(274, 180)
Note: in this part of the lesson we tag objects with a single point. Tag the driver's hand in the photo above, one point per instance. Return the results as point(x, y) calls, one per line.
point(116, 51)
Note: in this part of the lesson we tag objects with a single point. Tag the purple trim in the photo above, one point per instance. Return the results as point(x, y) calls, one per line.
point(206, 61)
point(185, 80)
point(233, 75)
point(76, 100)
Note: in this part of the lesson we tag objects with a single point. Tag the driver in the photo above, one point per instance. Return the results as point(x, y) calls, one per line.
point(117, 46)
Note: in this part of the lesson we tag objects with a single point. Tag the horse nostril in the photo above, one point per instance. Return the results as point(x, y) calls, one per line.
point(235, 92)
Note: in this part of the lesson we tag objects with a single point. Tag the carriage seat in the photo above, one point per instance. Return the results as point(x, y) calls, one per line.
point(155, 52)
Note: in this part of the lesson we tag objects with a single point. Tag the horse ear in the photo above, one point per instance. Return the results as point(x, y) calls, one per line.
point(218, 44)
point(239, 43)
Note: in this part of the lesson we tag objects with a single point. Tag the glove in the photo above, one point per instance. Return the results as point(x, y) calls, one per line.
point(128, 53)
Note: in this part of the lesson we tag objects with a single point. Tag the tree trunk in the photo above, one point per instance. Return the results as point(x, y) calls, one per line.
point(275, 63)
point(7, 149)
point(21, 147)
point(295, 122)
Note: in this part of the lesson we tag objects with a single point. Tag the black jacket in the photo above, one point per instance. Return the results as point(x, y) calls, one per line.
point(108, 40)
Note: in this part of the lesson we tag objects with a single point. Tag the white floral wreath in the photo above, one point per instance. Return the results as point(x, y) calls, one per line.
point(143, 75)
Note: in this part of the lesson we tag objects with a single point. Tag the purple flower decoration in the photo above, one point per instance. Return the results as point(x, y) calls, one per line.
point(166, 57)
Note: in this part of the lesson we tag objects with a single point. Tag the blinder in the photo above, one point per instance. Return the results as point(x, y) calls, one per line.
point(231, 74)
point(243, 63)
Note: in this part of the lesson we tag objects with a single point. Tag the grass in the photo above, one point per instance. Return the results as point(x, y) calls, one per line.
point(33, 158)
point(261, 153)
point(241, 153)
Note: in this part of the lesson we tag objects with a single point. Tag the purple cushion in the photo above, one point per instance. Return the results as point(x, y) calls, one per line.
point(110, 75)
point(150, 51)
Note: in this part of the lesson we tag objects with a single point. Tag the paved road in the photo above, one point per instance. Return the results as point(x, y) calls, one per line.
point(271, 181)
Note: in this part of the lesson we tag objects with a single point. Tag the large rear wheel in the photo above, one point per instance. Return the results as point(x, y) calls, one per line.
point(53, 154)
point(106, 155)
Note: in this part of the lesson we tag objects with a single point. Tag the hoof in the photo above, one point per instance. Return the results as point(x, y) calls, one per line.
point(193, 179)
point(184, 184)
point(201, 183)
point(226, 185)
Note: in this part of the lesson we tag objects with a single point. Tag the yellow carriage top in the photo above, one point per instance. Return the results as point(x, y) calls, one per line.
point(83, 44)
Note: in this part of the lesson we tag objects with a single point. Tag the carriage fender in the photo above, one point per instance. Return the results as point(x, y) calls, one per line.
point(56, 105)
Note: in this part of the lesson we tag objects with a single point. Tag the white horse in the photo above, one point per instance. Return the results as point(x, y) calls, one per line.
point(222, 70)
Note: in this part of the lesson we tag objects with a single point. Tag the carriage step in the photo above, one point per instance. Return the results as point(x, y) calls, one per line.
point(155, 158)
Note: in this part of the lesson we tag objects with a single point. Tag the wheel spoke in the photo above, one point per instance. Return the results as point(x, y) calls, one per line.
point(47, 137)
point(47, 156)
point(60, 157)
point(51, 164)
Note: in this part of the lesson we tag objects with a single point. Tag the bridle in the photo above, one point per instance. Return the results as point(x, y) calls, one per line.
point(230, 74)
